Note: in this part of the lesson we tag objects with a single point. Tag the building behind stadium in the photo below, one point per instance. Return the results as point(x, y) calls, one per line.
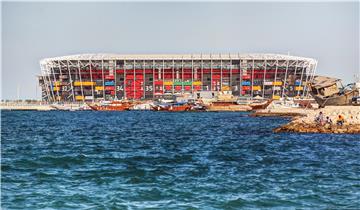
point(94, 77)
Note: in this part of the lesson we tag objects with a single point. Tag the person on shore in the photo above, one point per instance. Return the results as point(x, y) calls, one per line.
point(340, 120)
point(328, 122)
point(320, 119)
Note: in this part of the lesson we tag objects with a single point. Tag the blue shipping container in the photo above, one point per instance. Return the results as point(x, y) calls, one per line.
point(245, 83)
point(109, 83)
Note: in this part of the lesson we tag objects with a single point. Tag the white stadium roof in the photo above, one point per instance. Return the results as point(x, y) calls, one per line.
point(106, 56)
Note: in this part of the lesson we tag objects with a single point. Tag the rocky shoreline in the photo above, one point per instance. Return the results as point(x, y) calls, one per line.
point(306, 123)
point(300, 127)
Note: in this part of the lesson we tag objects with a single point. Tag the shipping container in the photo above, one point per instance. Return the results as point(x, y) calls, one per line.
point(246, 83)
point(109, 88)
point(79, 98)
point(109, 77)
point(78, 83)
point(268, 83)
point(197, 83)
point(257, 88)
point(246, 88)
point(246, 77)
point(168, 82)
point(158, 82)
point(275, 97)
point(57, 83)
point(225, 88)
point(109, 83)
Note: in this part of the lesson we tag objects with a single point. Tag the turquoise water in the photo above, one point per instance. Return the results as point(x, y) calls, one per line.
point(136, 160)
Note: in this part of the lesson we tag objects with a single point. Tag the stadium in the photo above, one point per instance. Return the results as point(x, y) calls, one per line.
point(95, 77)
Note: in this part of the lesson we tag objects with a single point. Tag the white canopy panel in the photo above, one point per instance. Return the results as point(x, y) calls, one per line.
point(251, 56)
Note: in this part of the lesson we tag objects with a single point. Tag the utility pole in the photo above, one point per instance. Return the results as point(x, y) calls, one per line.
point(18, 92)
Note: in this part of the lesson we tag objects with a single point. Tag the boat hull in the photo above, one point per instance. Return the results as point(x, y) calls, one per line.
point(229, 108)
point(114, 106)
point(263, 105)
point(170, 108)
point(338, 100)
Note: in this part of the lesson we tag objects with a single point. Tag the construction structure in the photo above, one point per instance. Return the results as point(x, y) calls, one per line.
point(94, 77)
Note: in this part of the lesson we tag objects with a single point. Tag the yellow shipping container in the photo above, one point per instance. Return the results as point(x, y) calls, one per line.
point(79, 98)
point(77, 83)
point(299, 88)
point(197, 83)
point(257, 88)
point(99, 88)
point(56, 88)
point(277, 83)
point(168, 82)
point(57, 83)
point(225, 88)
point(276, 97)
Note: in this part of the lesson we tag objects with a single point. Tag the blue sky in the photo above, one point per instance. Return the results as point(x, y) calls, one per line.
point(326, 31)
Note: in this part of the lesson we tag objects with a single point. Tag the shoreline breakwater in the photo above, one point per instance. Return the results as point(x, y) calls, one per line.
point(303, 120)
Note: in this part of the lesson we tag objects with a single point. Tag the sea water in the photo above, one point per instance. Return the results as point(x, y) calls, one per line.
point(160, 160)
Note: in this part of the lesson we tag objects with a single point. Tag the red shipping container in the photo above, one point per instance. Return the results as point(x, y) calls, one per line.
point(120, 71)
point(159, 82)
point(187, 87)
point(197, 87)
point(246, 76)
point(178, 87)
point(159, 92)
point(110, 77)
point(109, 88)
point(246, 87)
point(216, 76)
point(139, 77)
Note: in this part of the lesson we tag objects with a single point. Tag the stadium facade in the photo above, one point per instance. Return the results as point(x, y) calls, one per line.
point(94, 77)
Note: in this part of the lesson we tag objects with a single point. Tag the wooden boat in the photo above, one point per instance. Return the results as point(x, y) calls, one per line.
point(336, 100)
point(142, 106)
point(112, 106)
point(176, 107)
point(230, 106)
point(255, 105)
point(71, 107)
point(305, 103)
point(326, 92)
point(198, 107)
point(227, 102)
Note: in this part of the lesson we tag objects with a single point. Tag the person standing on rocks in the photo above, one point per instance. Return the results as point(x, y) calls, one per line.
point(320, 118)
point(328, 122)
point(340, 120)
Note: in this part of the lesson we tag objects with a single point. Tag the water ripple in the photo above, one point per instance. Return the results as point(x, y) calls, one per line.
point(135, 160)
